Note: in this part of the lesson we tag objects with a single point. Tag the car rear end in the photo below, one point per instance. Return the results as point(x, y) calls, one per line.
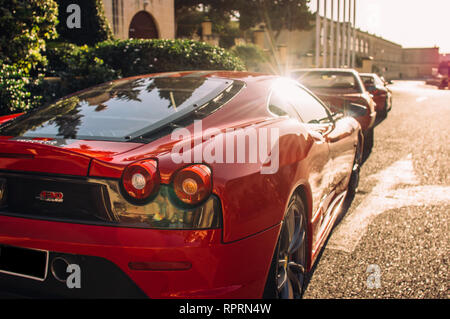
point(90, 209)
point(381, 94)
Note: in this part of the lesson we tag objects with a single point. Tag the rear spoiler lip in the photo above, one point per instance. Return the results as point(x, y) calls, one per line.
point(7, 118)
point(24, 155)
point(37, 157)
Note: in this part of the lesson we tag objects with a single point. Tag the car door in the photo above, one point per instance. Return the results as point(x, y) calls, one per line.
point(320, 125)
point(281, 103)
point(338, 134)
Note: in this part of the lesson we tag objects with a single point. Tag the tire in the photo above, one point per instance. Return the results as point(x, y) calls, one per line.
point(368, 143)
point(354, 177)
point(384, 112)
point(287, 274)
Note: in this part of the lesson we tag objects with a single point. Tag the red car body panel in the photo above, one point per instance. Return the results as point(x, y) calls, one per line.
point(72, 159)
point(379, 97)
point(253, 204)
point(214, 273)
point(380, 93)
point(6, 118)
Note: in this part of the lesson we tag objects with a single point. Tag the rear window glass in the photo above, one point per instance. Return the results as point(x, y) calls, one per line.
point(122, 110)
point(331, 80)
point(371, 80)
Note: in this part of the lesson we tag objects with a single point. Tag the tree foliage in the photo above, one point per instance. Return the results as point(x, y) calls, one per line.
point(277, 15)
point(25, 25)
point(251, 55)
point(94, 26)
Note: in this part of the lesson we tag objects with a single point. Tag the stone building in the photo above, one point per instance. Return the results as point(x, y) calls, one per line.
point(145, 19)
point(372, 53)
point(419, 62)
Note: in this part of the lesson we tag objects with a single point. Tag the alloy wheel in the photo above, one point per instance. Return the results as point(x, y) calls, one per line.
point(291, 262)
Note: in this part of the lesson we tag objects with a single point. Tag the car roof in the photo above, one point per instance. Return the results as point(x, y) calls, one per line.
point(368, 74)
point(326, 70)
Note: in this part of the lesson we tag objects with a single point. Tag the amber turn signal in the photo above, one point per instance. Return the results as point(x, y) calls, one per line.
point(193, 184)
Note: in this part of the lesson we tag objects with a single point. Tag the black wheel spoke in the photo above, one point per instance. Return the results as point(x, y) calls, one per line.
point(294, 277)
point(298, 238)
point(296, 267)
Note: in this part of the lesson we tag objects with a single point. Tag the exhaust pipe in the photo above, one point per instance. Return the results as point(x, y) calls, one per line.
point(59, 268)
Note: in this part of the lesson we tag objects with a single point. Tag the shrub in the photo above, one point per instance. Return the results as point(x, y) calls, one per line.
point(141, 56)
point(251, 54)
point(78, 68)
point(94, 26)
point(14, 90)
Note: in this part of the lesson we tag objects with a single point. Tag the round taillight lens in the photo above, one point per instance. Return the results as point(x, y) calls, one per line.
point(141, 180)
point(192, 184)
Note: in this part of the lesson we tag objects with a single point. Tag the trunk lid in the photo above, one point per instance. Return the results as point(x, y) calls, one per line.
point(57, 156)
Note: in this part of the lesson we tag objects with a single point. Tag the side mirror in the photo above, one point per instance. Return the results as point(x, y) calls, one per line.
point(355, 110)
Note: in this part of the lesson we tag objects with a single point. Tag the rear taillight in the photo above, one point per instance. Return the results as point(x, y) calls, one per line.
point(377, 92)
point(193, 184)
point(140, 181)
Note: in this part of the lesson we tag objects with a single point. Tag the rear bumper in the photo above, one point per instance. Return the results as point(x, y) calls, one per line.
point(232, 270)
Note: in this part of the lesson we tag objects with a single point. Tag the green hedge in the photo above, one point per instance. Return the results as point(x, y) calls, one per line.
point(140, 56)
point(15, 95)
point(80, 67)
point(68, 60)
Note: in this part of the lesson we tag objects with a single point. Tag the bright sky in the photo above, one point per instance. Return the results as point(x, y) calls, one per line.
point(411, 23)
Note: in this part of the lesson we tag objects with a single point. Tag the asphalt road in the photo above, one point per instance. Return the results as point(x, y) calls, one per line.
point(394, 239)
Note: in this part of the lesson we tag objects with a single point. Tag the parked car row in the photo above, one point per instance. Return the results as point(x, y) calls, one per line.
point(94, 182)
point(363, 96)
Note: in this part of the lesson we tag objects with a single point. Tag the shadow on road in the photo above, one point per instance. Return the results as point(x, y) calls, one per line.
point(344, 209)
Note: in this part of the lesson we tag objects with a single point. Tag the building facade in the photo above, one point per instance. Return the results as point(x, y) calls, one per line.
point(420, 62)
point(341, 46)
point(145, 19)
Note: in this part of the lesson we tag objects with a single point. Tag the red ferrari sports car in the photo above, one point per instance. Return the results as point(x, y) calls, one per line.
point(170, 186)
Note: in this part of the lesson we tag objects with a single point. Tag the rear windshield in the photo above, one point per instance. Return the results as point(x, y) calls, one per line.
point(122, 110)
point(331, 80)
point(371, 80)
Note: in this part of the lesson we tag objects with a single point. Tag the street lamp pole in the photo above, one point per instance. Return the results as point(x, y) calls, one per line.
point(354, 34)
point(318, 34)
point(338, 35)
point(344, 37)
point(332, 35)
point(325, 35)
point(348, 32)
